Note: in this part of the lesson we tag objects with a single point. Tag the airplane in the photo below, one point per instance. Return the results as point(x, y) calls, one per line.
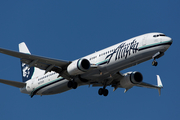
point(47, 76)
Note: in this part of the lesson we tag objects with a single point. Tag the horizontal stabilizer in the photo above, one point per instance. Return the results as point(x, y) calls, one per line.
point(13, 83)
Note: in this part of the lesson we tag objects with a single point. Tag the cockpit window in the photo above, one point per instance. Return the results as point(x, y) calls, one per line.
point(162, 35)
point(155, 35)
point(159, 35)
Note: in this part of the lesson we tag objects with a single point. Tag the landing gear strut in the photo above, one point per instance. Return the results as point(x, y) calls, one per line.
point(72, 84)
point(156, 56)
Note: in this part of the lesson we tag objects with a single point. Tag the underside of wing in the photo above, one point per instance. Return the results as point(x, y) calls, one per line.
point(28, 58)
point(147, 85)
point(112, 80)
point(44, 63)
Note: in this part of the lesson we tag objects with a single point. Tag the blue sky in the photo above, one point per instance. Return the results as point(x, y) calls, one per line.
point(71, 29)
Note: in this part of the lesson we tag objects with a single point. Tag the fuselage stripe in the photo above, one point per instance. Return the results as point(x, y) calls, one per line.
point(103, 62)
point(154, 45)
point(45, 85)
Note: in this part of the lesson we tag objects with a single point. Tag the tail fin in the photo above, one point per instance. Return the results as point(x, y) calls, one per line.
point(28, 73)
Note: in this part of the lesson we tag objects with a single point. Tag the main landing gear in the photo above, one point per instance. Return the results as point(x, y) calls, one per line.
point(103, 91)
point(72, 84)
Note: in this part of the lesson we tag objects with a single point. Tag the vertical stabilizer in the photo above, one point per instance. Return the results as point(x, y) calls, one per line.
point(28, 73)
point(23, 48)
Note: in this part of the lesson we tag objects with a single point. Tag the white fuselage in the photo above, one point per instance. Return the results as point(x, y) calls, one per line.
point(109, 61)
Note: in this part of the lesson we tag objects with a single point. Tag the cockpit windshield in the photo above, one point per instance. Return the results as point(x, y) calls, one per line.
point(159, 35)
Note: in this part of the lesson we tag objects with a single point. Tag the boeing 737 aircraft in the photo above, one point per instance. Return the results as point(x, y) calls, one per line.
point(46, 76)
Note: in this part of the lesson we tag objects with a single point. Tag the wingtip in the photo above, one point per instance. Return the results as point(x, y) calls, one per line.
point(159, 82)
point(159, 90)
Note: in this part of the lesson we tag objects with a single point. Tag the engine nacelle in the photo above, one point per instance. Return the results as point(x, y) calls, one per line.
point(78, 67)
point(130, 79)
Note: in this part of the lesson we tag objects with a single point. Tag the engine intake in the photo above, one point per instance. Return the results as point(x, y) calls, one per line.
point(136, 77)
point(130, 79)
point(78, 67)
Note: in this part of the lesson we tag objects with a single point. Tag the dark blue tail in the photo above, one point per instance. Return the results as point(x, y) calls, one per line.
point(28, 73)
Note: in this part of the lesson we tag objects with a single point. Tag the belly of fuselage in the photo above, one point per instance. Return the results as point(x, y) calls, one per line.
point(55, 88)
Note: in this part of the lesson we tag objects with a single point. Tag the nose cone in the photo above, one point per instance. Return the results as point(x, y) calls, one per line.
point(169, 40)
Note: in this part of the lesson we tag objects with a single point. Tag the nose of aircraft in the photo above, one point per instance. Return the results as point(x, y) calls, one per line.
point(168, 41)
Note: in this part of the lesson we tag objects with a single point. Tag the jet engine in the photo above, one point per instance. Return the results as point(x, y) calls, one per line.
point(78, 67)
point(130, 79)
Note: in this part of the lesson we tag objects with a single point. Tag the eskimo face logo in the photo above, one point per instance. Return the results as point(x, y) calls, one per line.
point(124, 50)
point(27, 72)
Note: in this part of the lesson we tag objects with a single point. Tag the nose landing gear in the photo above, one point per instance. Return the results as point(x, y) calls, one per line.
point(156, 56)
point(154, 63)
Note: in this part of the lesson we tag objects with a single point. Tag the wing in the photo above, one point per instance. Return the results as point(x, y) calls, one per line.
point(44, 63)
point(115, 81)
point(147, 85)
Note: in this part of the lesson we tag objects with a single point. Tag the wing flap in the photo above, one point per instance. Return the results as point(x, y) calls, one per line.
point(13, 83)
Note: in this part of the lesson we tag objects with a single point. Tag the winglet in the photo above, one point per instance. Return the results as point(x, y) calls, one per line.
point(159, 82)
point(160, 85)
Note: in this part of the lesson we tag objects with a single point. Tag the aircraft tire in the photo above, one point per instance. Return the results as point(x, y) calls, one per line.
point(101, 91)
point(70, 84)
point(154, 63)
point(74, 85)
point(105, 92)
